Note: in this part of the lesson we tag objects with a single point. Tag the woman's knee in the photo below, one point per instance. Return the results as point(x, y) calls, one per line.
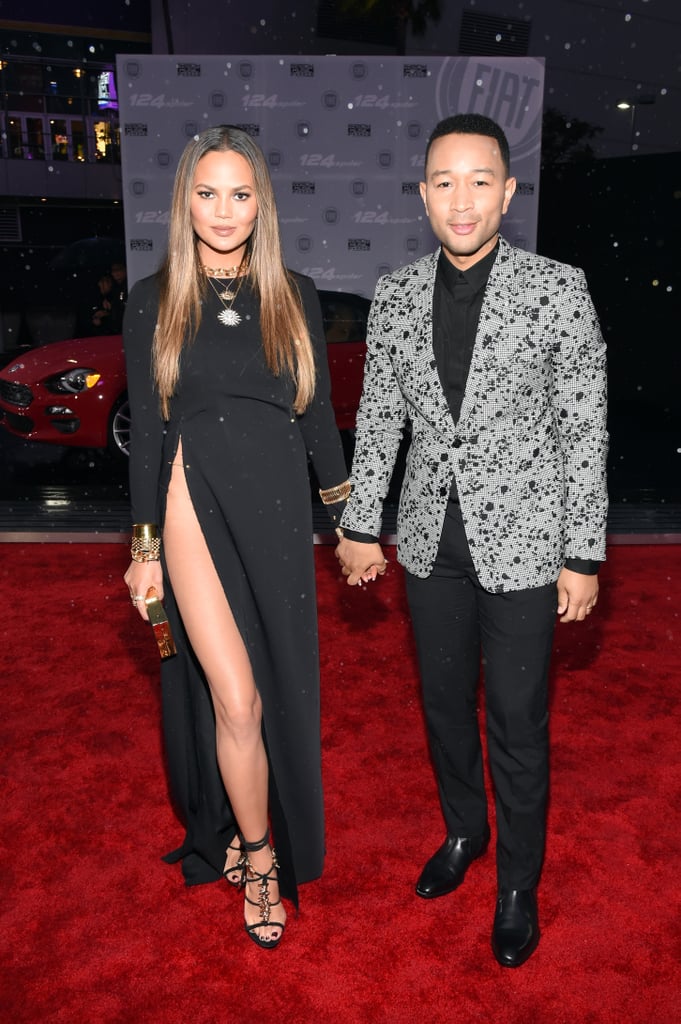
point(240, 715)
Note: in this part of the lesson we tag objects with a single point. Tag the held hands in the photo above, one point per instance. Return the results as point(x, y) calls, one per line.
point(361, 563)
point(577, 595)
point(138, 578)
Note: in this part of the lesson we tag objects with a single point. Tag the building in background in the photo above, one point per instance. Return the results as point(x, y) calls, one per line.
point(611, 65)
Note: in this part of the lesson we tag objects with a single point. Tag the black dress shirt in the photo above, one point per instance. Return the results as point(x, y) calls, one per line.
point(457, 301)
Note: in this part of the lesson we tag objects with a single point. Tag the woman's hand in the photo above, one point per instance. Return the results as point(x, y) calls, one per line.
point(138, 578)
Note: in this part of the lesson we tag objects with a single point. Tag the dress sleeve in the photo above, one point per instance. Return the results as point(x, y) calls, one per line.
point(318, 422)
point(146, 425)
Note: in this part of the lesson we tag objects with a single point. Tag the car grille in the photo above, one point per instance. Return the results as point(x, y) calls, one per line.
point(16, 394)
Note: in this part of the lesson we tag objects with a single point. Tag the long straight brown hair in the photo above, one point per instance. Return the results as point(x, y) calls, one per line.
point(286, 339)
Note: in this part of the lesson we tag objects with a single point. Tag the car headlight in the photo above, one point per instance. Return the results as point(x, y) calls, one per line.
point(72, 381)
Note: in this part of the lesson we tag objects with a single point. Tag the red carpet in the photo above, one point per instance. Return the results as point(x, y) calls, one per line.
point(95, 928)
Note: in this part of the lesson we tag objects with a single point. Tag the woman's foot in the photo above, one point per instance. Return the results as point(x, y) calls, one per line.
point(235, 863)
point(264, 914)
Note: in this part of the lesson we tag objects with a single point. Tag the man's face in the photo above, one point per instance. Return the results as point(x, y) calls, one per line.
point(466, 193)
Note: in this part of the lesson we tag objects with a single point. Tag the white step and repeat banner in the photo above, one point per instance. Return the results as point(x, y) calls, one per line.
point(344, 138)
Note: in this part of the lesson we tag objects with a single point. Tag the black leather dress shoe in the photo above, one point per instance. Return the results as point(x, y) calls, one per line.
point(446, 869)
point(516, 928)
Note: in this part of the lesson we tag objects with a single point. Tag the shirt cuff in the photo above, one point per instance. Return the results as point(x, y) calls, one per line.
point(362, 538)
point(584, 565)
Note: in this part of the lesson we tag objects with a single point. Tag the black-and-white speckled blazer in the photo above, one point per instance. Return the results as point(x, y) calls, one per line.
point(530, 445)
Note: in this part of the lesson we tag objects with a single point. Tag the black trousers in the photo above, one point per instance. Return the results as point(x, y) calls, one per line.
point(456, 624)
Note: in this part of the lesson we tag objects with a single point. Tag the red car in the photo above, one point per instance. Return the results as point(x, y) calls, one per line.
point(74, 392)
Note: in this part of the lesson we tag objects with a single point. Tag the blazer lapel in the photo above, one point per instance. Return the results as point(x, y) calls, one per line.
point(499, 297)
point(436, 402)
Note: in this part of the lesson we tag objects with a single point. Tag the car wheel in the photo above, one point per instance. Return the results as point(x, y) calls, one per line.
point(119, 428)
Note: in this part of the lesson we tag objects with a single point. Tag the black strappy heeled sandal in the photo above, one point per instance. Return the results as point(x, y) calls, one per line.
point(264, 903)
point(236, 874)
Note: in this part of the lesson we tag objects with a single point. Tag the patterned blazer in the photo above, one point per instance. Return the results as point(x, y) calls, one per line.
point(529, 449)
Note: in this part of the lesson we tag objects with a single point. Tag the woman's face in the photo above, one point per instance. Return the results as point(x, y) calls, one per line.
point(223, 207)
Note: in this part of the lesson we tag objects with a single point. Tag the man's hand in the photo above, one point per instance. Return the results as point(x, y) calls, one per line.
point(360, 562)
point(577, 595)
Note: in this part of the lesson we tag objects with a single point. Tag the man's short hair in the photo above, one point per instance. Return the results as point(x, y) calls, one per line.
point(472, 124)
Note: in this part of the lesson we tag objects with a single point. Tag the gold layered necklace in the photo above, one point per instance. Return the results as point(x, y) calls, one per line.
point(227, 316)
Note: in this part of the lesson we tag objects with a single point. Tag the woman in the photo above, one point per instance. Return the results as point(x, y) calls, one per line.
point(229, 394)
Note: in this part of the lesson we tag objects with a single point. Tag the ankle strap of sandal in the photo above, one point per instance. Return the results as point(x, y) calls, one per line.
point(259, 845)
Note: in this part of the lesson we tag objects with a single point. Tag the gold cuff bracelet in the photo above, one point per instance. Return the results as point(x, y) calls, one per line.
point(146, 543)
point(333, 494)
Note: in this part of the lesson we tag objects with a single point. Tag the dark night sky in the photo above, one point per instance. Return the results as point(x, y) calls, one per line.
point(114, 14)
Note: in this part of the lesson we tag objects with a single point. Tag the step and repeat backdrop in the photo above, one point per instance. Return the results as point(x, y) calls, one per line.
point(344, 138)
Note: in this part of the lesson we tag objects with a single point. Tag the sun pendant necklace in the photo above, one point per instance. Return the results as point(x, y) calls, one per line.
point(227, 316)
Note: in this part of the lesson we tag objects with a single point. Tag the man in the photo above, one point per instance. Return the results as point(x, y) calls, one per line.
point(119, 295)
point(495, 359)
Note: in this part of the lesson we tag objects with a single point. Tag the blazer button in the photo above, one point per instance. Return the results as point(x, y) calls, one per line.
point(457, 442)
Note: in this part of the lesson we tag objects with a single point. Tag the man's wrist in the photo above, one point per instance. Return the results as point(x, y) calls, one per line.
point(585, 566)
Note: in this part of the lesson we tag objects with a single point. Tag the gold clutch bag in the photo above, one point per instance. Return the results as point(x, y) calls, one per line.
point(159, 624)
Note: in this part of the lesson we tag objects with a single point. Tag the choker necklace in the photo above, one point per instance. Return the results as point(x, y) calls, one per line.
point(237, 271)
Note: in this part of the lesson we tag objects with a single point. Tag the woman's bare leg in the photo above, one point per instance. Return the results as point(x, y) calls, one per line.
point(220, 649)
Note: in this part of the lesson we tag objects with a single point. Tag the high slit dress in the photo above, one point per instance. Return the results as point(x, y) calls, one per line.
point(245, 458)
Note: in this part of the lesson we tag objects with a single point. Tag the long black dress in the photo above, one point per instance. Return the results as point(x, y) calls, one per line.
point(245, 458)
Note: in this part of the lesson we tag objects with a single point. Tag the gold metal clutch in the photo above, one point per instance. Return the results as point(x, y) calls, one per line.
point(159, 624)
